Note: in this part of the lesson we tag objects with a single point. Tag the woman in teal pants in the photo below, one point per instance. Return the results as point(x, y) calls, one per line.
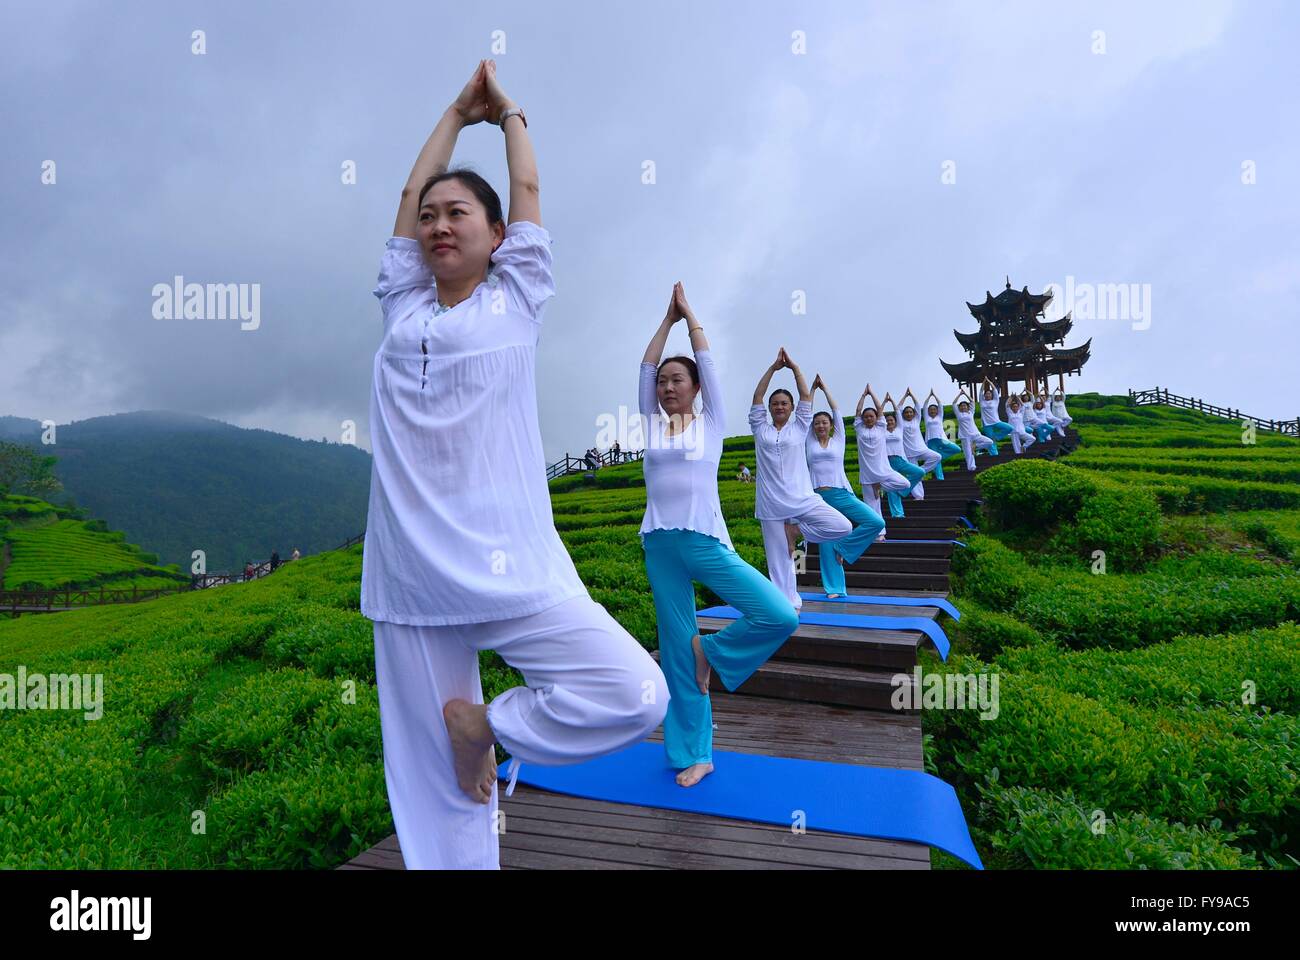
point(685, 539)
point(935, 438)
point(898, 460)
point(824, 450)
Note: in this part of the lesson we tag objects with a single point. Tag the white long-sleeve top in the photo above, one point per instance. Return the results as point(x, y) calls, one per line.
point(459, 526)
point(783, 490)
point(989, 406)
point(1058, 408)
point(826, 464)
point(913, 442)
point(681, 471)
point(966, 429)
point(873, 460)
point(894, 441)
point(1045, 415)
point(934, 425)
point(1017, 419)
point(1029, 413)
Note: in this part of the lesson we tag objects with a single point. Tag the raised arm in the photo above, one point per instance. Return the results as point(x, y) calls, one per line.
point(469, 108)
point(654, 351)
point(525, 188)
point(761, 390)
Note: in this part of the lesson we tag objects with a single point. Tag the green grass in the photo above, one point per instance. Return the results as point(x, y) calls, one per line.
point(249, 710)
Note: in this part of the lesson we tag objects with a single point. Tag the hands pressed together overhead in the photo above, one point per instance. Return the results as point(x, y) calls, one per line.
point(483, 97)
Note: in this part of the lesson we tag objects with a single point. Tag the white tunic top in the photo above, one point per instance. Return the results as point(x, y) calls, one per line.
point(826, 464)
point(913, 442)
point(1017, 419)
point(784, 488)
point(681, 471)
point(894, 441)
point(966, 425)
point(989, 408)
point(934, 425)
point(459, 528)
point(1058, 408)
point(873, 461)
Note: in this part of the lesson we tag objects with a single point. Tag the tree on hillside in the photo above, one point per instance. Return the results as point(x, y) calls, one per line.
point(23, 470)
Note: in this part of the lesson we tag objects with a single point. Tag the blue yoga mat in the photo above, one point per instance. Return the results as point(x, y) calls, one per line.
point(847, 798)
point(893, 540)
point(939, 602)
point(924, 624)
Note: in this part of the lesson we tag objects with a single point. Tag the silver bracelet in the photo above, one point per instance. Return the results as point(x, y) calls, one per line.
point(507, 114)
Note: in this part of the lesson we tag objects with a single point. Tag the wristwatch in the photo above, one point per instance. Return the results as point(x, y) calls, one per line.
point(507, 114)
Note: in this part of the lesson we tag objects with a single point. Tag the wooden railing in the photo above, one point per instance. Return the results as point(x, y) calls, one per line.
point(47, 601)
point(581, 464)
point(1159, 395)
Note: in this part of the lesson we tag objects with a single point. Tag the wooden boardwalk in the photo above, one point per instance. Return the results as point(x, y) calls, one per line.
point(825, 695)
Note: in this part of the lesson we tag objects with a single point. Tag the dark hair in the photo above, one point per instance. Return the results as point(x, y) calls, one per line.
point(823, 413)
point(781, 390)
point(686, 362)
point(475, 184)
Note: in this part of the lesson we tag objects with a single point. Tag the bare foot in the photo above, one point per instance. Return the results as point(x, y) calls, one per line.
point(694, 774)
point(702, 666)
point(833, 596)
point(471, 748)
point(840, 557)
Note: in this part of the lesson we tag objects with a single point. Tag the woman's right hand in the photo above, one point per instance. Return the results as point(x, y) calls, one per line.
point(471, 105)
point(679, 298)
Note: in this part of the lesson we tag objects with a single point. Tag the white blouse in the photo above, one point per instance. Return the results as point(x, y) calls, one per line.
point(894, 441)
point(681, 471)
point(1058, 408)
point(966, 425)
point(459, 527)
point(826, 464)
point(873, 462)
point(784, 488)
point(989, 408)
point(1017, 419)
point(913, 442)
point(934, 425)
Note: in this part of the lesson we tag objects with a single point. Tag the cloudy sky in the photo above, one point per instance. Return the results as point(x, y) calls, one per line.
point(885, 162)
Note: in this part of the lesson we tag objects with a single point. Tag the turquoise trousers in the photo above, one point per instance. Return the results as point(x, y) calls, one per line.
point(913, 473)
point(1043, 431)
point(673, 559)
point(995, 431)
point(867, 525)
point(945, 448)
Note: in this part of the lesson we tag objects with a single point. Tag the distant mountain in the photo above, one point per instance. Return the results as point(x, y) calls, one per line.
point(177, 482)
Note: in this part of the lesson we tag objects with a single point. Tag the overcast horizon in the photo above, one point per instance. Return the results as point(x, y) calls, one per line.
point(880, 163)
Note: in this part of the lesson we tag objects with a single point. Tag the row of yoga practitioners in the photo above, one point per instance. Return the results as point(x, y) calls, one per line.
point(461, 553)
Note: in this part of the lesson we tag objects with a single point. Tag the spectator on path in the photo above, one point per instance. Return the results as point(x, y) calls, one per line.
point(275, 559)
point(295, 554)
point(744, 476)
point(248, 570)
point(615, 451)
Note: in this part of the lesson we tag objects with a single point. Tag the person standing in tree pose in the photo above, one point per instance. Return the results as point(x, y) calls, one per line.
point(914, 448)
point(685, 539)
point(995, 428)
point(1059, 411)
point(935, 438)
point(784, 494)
point(873, 457)
point(1021, 439)
point(969, 436)
point(825, 455)
point(898, 460)
point(461, 553)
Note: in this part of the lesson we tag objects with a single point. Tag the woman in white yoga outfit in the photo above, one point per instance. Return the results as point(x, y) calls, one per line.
point(935, 437)
point(967, 433)
point(784, 493)
point(1059, 411)
point(461, 553)
point(873, 457)
point(914, 448)
point(1021, 438)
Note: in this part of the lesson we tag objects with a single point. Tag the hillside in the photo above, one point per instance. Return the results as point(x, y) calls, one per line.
point(45, 547)
point(176, 483)
point(1121, 692)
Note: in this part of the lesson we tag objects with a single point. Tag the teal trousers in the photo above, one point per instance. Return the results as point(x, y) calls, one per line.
point(673, 560)
point(909, 470)
point(867, 525)
point(945, 448)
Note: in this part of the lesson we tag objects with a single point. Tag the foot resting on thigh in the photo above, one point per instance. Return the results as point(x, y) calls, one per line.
point(471, 748)
point(694, 774)
point(702, 667)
